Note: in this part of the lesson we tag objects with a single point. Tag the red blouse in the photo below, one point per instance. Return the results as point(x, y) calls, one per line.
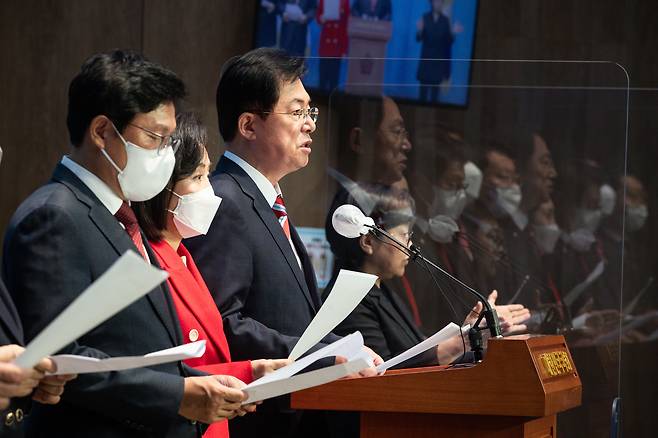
point(199, 319)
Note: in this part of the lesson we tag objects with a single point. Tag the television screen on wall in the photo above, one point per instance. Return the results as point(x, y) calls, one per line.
point(411, 49)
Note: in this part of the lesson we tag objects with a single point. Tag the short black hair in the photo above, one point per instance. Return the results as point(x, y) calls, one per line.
point(392, 207)
point(252, 82)
point(152, 214)
point(118, 84)
point(490, 145)
point(450, 147)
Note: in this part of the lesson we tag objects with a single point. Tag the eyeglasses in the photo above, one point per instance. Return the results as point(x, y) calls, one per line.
point(401, 134)
point(298, 115)
point(405, 237)
point(164, 141)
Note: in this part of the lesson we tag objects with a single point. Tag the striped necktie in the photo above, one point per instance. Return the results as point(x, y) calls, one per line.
point(127, 217)
point(279, 209)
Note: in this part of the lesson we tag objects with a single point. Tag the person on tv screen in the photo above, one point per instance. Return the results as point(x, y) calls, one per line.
point(434, 32)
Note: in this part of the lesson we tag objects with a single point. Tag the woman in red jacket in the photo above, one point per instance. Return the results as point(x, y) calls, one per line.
point(185, 208)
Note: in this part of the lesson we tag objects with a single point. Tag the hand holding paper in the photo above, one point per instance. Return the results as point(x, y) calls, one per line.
point(348, 291)
point(72, 364)
point(127, 280)
point(442, 335)
point(284, 380)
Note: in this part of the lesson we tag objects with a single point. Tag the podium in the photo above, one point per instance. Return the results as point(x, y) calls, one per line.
point(516, 391)
point(367, 42)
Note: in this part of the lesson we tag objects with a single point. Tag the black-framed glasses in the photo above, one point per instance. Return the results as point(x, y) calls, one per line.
point(164, 141)
point(300, 114)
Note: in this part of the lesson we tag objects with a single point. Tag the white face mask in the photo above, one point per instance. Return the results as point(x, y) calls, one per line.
point(508, 199)
point(580, 240)
point(147, 171)
point(472, 180)
point(195, 212)
point(608, 199)
point(636, 217)
point(588, 219)
point(546, 237)
point(442, 228)
point(449, 203)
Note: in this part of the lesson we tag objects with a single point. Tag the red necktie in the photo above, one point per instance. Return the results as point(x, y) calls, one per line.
point(279, 209)
point(127, 217)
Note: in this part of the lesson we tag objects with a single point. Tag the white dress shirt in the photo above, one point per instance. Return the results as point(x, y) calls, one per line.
point(102, 191)
point(98, 187)
point(269, 191)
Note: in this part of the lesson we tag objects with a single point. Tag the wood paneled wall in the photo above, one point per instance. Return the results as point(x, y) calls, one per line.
point(44, 43)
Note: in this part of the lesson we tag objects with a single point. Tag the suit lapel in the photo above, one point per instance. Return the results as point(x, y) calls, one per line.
point(9, 318)
point(160, 299)
point(109, 226)
point(387, 304)
point(307, 267)
point(190, 289)
point(264, 212)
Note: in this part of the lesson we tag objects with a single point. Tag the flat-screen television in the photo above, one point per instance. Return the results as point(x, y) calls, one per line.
point(415, 49)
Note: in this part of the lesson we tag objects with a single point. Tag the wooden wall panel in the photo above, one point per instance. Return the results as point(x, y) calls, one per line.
point(43, 46)
point(45, 42)
point(195, 38)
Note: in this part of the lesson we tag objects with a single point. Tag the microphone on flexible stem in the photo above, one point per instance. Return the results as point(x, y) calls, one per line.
point(349, 221)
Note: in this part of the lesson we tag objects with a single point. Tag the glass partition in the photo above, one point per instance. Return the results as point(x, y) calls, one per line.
point(523, 190)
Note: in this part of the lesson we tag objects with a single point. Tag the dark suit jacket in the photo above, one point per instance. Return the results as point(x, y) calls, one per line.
point(436, 43)
point(58, 242)
point(386, 325)
point(265, 299)
point(11, 332)
point(293, 33)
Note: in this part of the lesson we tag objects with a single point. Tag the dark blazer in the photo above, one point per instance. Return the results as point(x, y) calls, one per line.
point(436, 43)
point(11, 332)
point(58, 242)
point(386, 325)
point(265, 299)
point(293, 33)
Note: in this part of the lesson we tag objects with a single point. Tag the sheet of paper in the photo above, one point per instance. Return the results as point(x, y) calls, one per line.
point(72, 364)
point(331, 10)
point(348, 291)
point(350, 347)
point(442, 335)
point(127, 280)
point(574, 293)
point(303, 381)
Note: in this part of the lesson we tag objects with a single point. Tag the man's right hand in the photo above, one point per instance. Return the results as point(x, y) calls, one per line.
point(15, 381)
point(212, 398)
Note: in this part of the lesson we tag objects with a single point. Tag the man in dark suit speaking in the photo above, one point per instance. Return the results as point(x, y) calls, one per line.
point(252, 258)
point(121, 116)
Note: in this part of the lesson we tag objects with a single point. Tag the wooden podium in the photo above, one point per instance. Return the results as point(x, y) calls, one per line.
point(523, 382)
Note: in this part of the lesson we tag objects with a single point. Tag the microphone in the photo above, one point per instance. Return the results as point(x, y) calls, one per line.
point(349, 221)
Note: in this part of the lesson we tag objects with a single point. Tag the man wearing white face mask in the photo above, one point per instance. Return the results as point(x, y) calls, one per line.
point(440, 231)
point(121, 115)
point(579, 214)
point(501, 194)
point(630, 213)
